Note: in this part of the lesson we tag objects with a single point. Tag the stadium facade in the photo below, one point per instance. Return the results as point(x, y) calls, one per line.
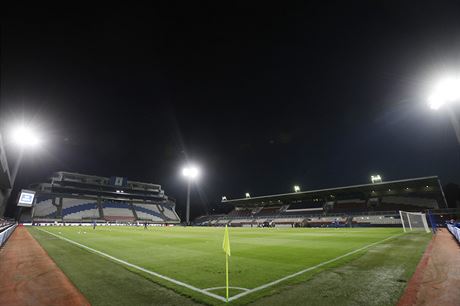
point(74, 197)
point(5, 178)
point(376, 204)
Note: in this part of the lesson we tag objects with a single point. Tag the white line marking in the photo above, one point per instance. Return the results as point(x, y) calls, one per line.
point(308, 269)
point(223, 287)
point(204, 291)
point(169, 279)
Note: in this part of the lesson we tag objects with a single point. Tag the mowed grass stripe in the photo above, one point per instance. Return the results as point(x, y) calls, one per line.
point(196, 257)
point(309, 269)
point(375, 278)
point(169, 279)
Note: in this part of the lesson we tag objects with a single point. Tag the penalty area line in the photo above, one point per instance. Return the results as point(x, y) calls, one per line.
point(308, 269)
point(169, 279)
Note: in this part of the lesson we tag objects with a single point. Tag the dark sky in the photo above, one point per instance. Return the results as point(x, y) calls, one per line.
point(262, 97)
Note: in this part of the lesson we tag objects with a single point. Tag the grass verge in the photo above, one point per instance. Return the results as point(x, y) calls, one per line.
point(348, 281)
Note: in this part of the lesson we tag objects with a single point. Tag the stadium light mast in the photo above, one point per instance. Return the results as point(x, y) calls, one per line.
point(445, 93)
point(25, 138)
point(191, 173)
point(296, 188)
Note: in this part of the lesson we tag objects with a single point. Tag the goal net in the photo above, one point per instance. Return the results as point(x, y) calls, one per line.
point(414, 221)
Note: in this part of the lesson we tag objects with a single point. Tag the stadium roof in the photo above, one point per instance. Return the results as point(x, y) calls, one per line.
point(68, 184)
point(426, 187)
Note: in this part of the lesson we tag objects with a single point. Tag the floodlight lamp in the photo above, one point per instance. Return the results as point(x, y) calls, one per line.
point(224, 198)
point(247, 195)
point(296, 188)
point(191, 172)
point(376, 179)
point(447, 90)
point(25, 137)
point(435, 102)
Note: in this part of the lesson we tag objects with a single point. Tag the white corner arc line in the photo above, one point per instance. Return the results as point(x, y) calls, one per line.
point(308, 269)
point(223, 287)
point(169, 279)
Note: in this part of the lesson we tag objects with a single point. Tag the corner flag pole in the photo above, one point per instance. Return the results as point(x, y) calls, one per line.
point(226, 274)
point(226, 247)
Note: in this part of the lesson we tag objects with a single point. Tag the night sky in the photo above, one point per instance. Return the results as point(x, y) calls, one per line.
point(261, 97)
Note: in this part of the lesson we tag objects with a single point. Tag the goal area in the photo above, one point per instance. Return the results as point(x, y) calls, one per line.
point(414, 221)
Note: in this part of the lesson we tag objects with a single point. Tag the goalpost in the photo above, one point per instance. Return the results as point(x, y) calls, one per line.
point(412, 221)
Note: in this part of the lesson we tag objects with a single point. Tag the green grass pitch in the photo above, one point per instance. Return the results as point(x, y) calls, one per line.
point(194, 256)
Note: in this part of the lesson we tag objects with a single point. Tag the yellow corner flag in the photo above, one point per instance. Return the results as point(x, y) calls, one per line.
point(226, 244)
point(226, 247)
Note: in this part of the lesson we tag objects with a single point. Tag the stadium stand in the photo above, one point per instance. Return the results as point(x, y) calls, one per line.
point(382, 220)
point(74, 197)
point(349, 206)
point(79, 209)
point(241, 212)
point(281, 220)
point(407, 203)
point(44, 208)
point(414, 201)
point(268, 211)
point(117, 211)
point(148, 212)
point(169, 213)
point(375, 204)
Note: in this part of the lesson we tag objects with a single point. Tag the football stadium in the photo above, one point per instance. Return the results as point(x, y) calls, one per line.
point(121, 242)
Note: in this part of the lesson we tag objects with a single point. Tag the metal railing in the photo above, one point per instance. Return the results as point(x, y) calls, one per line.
point(455, 231)
point(5, 232)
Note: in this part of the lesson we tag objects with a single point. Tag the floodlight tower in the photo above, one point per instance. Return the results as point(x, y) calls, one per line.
point(25, 138)
point(296, 188)
point(445, 93)
point(191, 173)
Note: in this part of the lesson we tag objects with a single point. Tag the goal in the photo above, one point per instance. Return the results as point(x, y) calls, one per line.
point(414, 221)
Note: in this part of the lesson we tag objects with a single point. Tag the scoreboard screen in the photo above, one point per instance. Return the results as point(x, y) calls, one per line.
point(26, 198)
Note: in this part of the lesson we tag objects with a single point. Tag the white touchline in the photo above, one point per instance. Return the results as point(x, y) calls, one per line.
point(172, 280)
point(307, 269)
point(205, 291)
